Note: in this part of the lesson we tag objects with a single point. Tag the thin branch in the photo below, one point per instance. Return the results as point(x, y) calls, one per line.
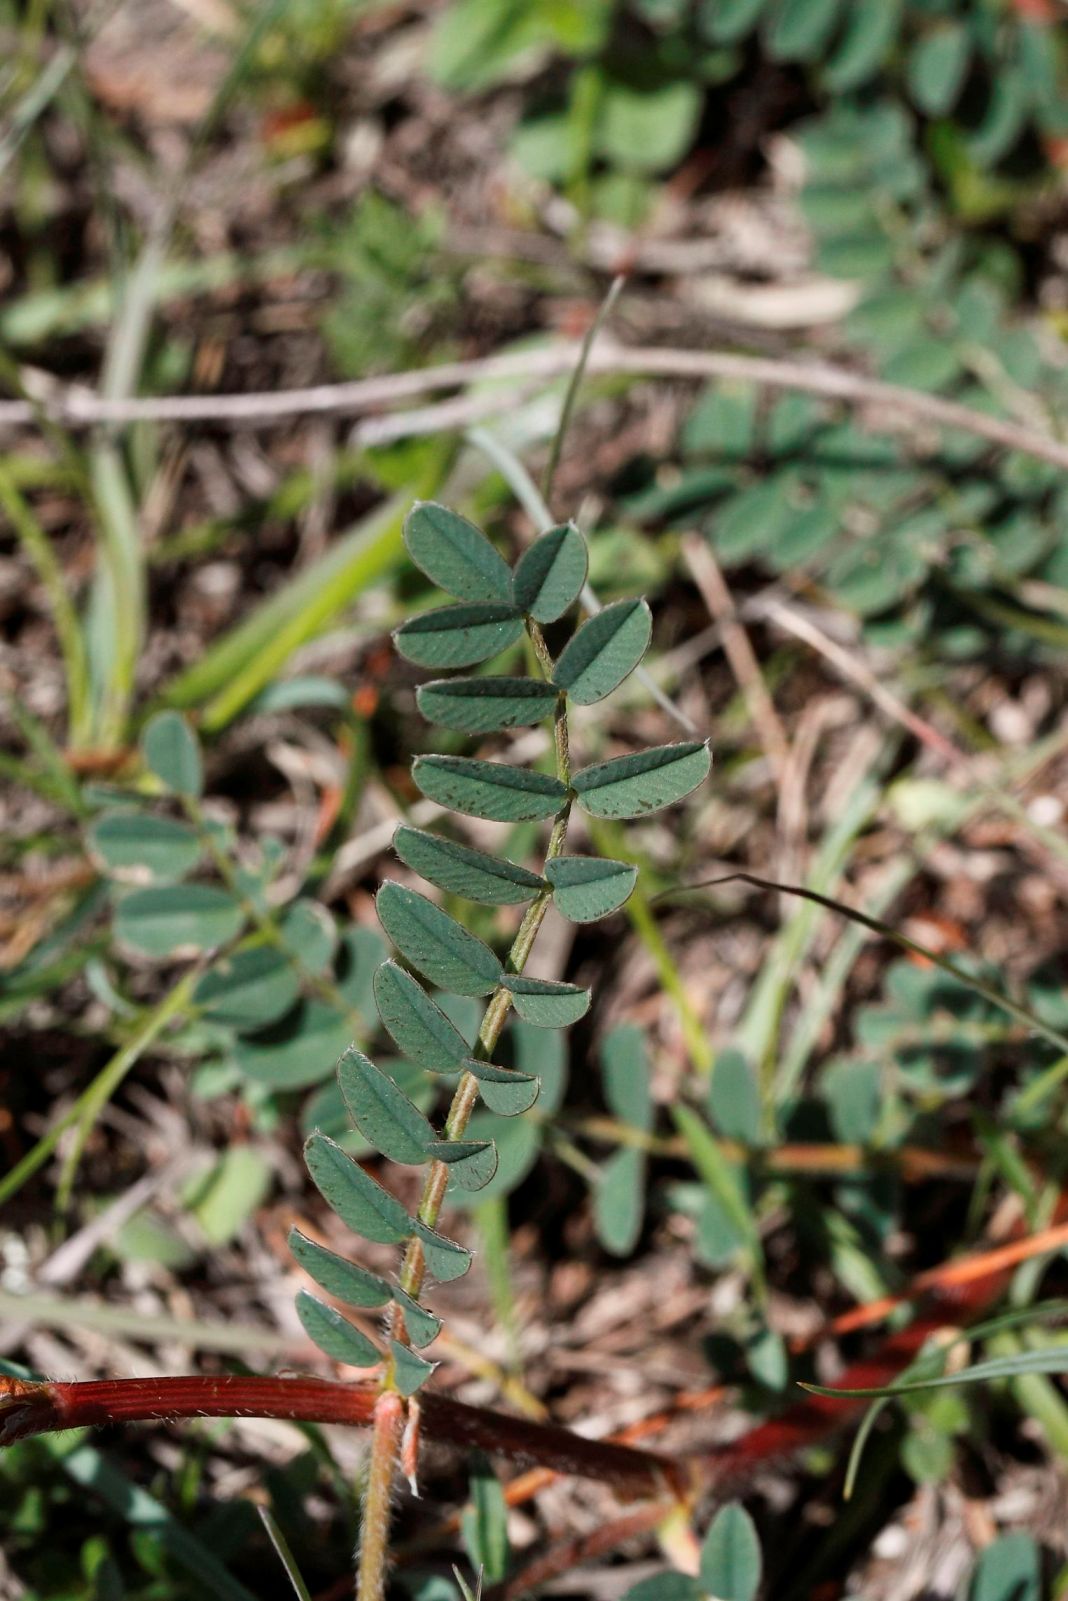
point(78, 407)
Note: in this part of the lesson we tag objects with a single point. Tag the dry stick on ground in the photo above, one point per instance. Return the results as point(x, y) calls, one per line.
point(80, 407)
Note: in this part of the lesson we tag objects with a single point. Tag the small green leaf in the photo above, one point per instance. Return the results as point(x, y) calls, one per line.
point(301, 1049)
point(361, 1203)
point(1008, 1569)
point(504, 1091)
point(545, 1003)
point(471, 1163)
point(937, 65)
point(309, 934)
point(463, 871)
point(422, 1326)
point(485, 705)
point(666, 1586)
point(140, 848)
point(866, 39)
point(586, 888)
point(382, 1112)
point(410, 1372)
point(178, 918)
point(550, 574)
point(334, 1334)
point(445, 1259)
point(459, 636)
point(625, 1075)
point(455, 554)
point(619, 1201)
point(630, 786)
point(492, 790)
point(731, 1563)
point(734, 1098)
point(436, 943)
point(485, 1523)
point(800, 29)
point(338, 1277)
point(171, 751)
point(725, 21)
point(604, 651)
point(419, 1027)
point(249, 989)
point(226, 1197)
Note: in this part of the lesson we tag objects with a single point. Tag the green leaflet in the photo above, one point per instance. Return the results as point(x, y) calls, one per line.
point(550, 574)
point(471, 1163)
point(588, 887)
point(361, 1204)
point(175, 918)
point(445, 1259)
point(170, 750)
point(625, 1075)
point(603, 652)
point(504, 1090)
point(455, 554)
point(492, 790)
point(630, 786)
point(140, 847)
point(485, 705)
point(545, 1003)
point(334, 1334)
point(296, 1051)
point(731, 1564)
point(250, 989)
point(463, 871)
point(436, 943)
point(619, 1200)
point(338, 1277)
point(410, 1372)
point(419, 1027)
point(459, 636)
point(382, 1112)
point(422, 1326)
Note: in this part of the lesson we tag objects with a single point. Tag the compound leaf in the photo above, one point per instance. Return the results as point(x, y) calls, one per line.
point(464, 871)
point(588, 887)
point(550, 574)
point(436, 943)
point(459, 636)
point(545, 1003)
point(419, 1027)
point(630, 786)
point(361, 1203)
point(455, 554)
point(492, 790)
point(603, 651)
point(485, 705)
point(334, 1334)
point(338, 1277)
point(382, 1112)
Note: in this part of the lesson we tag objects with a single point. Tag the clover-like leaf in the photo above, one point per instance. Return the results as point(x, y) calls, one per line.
point(459, 636)
point(445, 1258)
point(416, 1023)
point(485, 705)
point(464, 871)
point(250, 989)
point(422, 1325)
point(143, 848)
point(334, 1334)
point(550, 574)
point(436, 943)
point(170, 918)
point(630, 786)
point(503, 1089)
point(471, 1163)
point(586, 888)
point(492, 790)
point(546, 1003)
point(359, 1201)
point(410, 1372)
point(338, 1277)
point(604, 651)
point(382, 1112)
point(455, 554)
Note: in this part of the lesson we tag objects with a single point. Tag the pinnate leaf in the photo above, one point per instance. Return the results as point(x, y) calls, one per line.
point(410, 1372)
point(464, 871)
point(436, 943)
point(588, 887)
point(334, 1334)
point(485, 705)
point(603, 651)
point(418, 1026)
point(455, 554)
point(361, 1203)
point(382, 1112)
point(445, 1259)
point(630, 786)
point(492, 790)
point(342, 1279)
point(550, 574)
point(545, 1003)
point(171, 751)
point(459, 636)
point(170, 918)
point(503, 1089)
point(141, 847)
